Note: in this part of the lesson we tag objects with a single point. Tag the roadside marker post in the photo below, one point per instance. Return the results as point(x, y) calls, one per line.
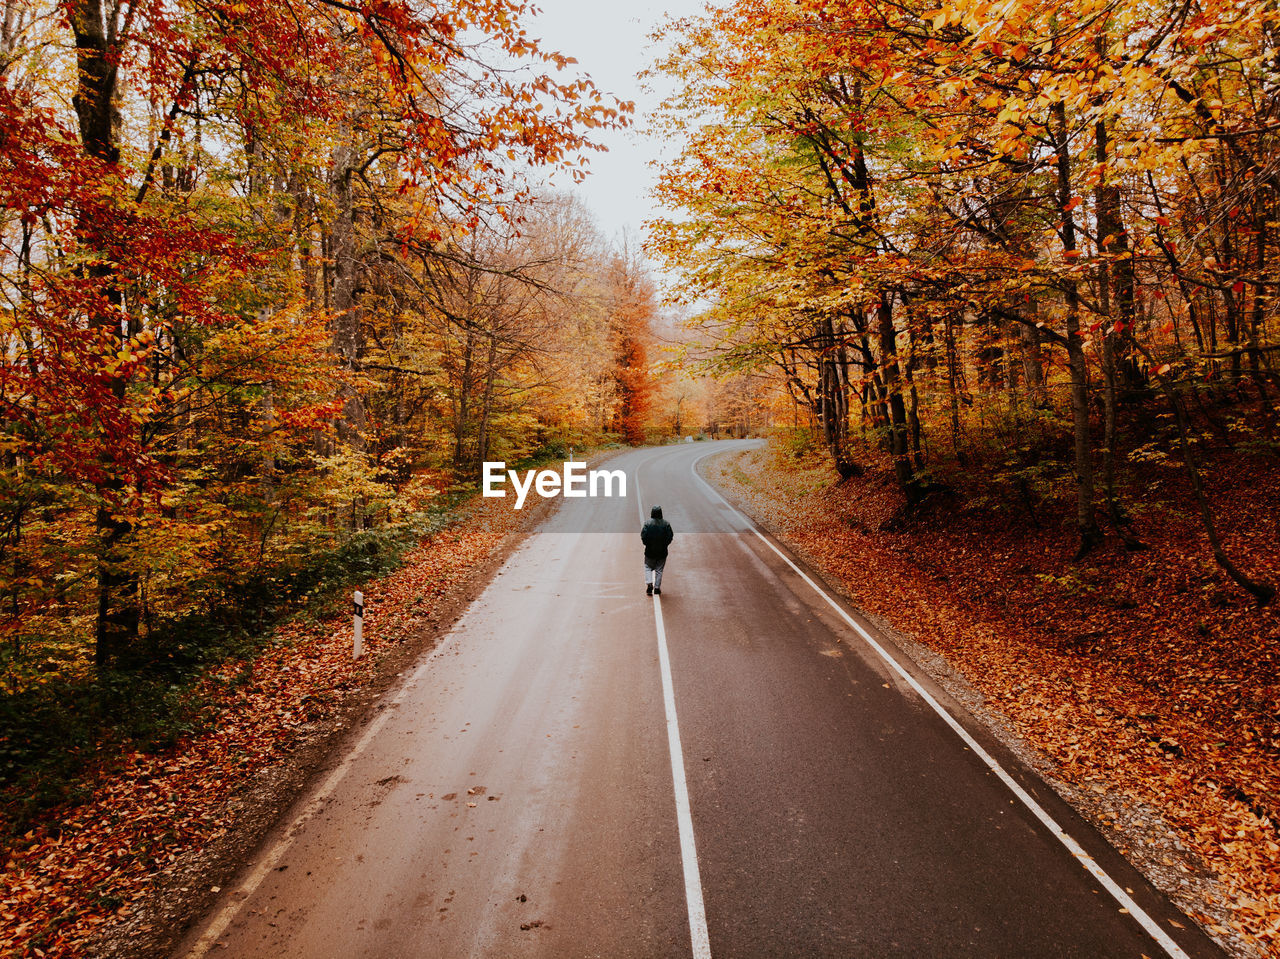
point(357, 625)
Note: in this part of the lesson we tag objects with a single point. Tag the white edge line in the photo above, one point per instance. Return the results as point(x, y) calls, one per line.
point(227, 914)
point(1137, 912)
point(688, 851)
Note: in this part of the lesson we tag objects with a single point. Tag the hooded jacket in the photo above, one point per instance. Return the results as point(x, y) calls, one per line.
point(656, 535)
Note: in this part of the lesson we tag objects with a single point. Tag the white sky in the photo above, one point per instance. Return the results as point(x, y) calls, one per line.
point(610, 39)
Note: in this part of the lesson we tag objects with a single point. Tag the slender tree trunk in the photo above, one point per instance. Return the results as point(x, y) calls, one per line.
point(953, 385)
point(346, 343)
point(118, 613)
point(1110, 454)
point(1231, 312)
point(486, 409)
point(899, 441)
point(1032, 364)
point(303, 206)
point(1258, 370)
point(1086, 523)
point(462, 424)
point(1116, 293)
point(833, 398)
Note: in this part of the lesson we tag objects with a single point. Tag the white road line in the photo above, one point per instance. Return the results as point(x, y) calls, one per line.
point(1137, 912)
point(684, 819)
point(688, 851)
point(268, 862)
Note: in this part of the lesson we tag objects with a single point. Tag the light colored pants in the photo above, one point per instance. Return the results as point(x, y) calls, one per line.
point(653, 571)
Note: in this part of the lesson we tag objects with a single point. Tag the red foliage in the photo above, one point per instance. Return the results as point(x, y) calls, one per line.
point(634, 388)
point(633, 308)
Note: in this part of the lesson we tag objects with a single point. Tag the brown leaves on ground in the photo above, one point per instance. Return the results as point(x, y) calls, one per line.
point(1145, 676)
point(87, 865)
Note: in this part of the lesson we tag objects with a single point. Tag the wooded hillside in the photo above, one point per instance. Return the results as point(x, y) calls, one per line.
point(1030, 243)
point(273, 275)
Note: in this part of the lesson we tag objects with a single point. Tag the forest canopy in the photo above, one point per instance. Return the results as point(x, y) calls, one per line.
point(273, 275)
point(1035, 240)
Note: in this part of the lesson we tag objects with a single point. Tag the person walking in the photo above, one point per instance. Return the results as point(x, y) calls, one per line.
point(656, 536)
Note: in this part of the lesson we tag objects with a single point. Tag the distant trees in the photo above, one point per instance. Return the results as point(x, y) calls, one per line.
point(631, 301)
point(928, 216)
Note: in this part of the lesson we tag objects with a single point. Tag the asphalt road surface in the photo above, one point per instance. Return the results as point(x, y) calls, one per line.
point(739, 768)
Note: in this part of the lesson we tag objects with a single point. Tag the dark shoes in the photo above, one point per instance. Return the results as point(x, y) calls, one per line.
point(648, 590)
point(656, 591)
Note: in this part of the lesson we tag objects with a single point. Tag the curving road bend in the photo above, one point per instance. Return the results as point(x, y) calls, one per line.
point(740, 768)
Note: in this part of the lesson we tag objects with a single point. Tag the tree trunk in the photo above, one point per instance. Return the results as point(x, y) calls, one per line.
point(1110, 455)
point(118, 614)
point(462, 423)
point(346, 343)
point(1032, 364)
point(1115, 290)
point(486, 409)
point(833, 398)
point(1258, 369)
point(1086, 523)
point(953, 385)
point(899, 440)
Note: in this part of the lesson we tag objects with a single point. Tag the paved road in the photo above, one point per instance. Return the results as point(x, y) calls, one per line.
point(518, 796)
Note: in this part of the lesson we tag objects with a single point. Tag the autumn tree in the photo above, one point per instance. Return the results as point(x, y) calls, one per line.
point(631, 301)
point(188, 248)
point(905, 191)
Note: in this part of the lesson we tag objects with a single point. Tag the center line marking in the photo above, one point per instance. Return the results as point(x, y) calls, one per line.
point(1136, 912)
point(688, 851)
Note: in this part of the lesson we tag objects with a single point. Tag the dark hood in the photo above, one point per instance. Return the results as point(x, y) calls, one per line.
point(656, 512)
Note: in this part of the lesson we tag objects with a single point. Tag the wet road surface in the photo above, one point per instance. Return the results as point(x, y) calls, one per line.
point(522, 795)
